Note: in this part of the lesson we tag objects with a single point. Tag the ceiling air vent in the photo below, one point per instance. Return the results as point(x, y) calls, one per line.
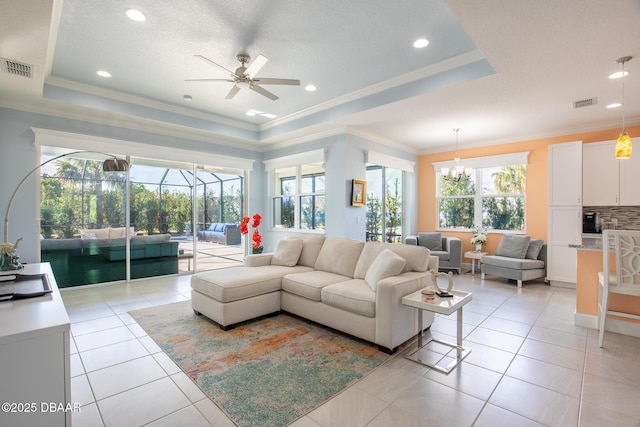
point(17, 68)
point(585, 102)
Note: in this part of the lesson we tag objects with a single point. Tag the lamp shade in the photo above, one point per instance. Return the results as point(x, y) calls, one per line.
point(115, 165)
point(623, 146)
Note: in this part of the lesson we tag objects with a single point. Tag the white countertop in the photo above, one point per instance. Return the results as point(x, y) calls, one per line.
point(31, 317)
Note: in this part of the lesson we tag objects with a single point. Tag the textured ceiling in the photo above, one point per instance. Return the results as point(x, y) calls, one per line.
point(502, 71)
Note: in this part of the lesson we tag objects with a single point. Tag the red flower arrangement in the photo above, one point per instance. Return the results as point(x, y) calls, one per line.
point(244, 229)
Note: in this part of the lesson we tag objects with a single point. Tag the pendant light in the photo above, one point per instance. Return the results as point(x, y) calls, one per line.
point(459, 172)
point(624, 143)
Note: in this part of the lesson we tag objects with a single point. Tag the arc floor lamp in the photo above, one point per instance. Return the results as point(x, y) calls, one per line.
point(112, 164)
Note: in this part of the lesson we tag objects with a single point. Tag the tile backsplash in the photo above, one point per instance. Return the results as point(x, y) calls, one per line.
point(628, 216)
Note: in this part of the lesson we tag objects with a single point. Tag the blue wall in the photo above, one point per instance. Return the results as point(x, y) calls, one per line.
point(345, 159)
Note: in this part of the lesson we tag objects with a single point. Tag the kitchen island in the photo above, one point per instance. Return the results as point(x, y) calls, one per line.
point(589, 264)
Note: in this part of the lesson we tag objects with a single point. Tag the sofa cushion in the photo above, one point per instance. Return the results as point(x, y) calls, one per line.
point(309, 284)
point(352, 295)
point(513, 246)
point(417, 257)
point(287, 252)
point(443, 255)
point(385, 265)
point(514, 263)
point(94, 233)
point(339, 256)
point(431, 241)
point(236, 283)
point(311, 245)
point(533, 251)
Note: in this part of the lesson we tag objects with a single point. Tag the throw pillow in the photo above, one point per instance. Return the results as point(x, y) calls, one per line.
point(287, 252)
point(513, 246)
point(385, 265)
point(535, 246)
point(431, 241)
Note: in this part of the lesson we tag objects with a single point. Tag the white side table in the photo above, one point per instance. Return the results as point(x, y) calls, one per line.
point(474, 256)
point(444, 306)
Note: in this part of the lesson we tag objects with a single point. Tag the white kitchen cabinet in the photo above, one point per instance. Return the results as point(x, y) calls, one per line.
point(564, 219)
point(35, 355)
point(565, 174)
point(607, 181)
point(600, 174)
point(630, 177)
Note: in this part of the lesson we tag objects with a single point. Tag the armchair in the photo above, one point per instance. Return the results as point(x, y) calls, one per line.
point(447, 249)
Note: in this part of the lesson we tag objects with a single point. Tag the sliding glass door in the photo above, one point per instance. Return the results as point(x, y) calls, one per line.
point(84, 213)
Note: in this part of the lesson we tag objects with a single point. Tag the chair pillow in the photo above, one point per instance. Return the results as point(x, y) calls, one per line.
point(513, 246)
point(535, 246)
point(431, 241)
point(287, 252)
point(385, 265)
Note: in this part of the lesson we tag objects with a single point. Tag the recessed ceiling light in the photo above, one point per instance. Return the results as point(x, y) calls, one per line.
point(136, 15)
point(187, 97)
point(614, 105)
point(420, 43)
point(618, 74)
point(103, 73)
point(310, 88)
point(269, 115)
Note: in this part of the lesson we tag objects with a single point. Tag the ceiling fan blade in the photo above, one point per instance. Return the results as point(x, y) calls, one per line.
point(263, 91)
point(265, 81)
point(216, 64)
point(209, 80)
point(235, 89)
point(256, 65)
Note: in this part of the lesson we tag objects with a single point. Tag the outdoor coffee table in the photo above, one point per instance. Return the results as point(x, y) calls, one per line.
point(444, 306)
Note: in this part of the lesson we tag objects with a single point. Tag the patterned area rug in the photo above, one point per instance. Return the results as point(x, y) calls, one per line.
point(266, 372)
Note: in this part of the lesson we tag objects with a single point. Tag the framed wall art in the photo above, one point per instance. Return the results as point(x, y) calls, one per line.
point(359, 193)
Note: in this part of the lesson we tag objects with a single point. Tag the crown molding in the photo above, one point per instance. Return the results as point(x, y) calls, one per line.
point(442, 66)
point(144, 102)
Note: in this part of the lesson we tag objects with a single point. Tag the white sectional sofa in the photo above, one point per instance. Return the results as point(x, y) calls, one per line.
point(348, 285)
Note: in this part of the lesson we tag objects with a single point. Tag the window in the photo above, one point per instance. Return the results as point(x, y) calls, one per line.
point(299, 200)
point(498, 202)
point(384, 204)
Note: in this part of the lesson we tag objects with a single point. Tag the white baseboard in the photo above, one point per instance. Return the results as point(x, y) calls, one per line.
point(585, 320)
point(623, 327)
point(612, 325)
point(560, 284)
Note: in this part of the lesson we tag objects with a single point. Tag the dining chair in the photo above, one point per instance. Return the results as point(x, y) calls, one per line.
point(626, 277)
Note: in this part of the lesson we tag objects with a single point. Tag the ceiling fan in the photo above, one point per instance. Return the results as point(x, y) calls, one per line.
point(245, 76)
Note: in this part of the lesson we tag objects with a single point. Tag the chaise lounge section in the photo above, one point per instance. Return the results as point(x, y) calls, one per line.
point(348, 285)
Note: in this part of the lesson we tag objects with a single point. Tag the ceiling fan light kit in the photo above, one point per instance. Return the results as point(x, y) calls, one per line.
point(244, 76)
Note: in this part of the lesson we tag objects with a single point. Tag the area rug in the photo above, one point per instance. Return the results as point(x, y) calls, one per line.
point(266, 372)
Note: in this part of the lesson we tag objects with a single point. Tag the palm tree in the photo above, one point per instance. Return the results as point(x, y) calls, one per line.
point(510, 179)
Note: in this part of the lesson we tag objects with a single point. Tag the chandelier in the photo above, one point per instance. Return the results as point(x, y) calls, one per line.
point(623, 144)
point(459, 172)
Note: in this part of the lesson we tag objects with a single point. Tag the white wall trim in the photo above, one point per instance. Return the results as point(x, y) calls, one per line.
point(487, 161)
point(52, 138)
point(386, 160)
point(315, 156)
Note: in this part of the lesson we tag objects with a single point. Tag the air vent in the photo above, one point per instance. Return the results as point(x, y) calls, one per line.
point(17, 68)
point(585, 102)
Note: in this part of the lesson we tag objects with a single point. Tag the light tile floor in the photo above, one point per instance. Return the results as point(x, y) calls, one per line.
point(529, 366)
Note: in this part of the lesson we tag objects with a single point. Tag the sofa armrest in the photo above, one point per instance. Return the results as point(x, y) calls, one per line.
point(411, 240)
point(395, 322)
point(258, 260)
point(434, 263)
point(453, 246)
